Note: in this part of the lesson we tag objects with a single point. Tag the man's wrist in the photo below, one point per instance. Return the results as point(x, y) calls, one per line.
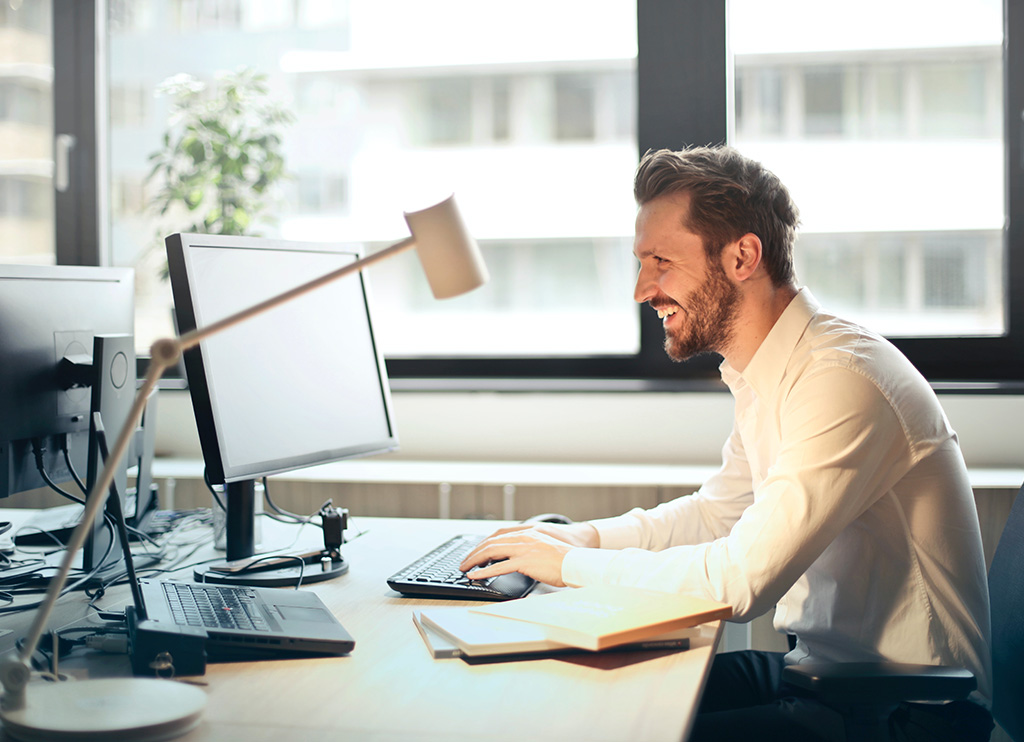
point(581, 566)
point(589, 536)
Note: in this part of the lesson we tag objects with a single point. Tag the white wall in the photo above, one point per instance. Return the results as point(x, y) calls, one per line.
point(655, 428)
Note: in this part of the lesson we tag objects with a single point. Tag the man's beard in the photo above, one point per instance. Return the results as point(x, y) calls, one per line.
point(710, 314)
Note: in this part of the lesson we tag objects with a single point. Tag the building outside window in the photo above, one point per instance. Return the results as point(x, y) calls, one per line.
point(394, 115)
point(26, 133)
point(890, 135)
point(892, 144)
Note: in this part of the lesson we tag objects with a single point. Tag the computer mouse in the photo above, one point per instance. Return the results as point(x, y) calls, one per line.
point(549, 518)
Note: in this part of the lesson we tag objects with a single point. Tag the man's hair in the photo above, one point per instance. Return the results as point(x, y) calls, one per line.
point(730, 195)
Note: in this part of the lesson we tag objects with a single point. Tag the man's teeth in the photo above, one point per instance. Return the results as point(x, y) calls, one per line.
point(663, 313)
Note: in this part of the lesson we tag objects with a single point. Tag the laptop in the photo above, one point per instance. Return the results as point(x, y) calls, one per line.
point(174, 627)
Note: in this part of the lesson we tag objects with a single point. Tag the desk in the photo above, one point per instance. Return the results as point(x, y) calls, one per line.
point(390, 688)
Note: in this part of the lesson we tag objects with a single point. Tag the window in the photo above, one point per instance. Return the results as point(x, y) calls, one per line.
point(26, 134)
point(823, 101)
point(446, 111)
point(536, 139)
point(913, 225)
point(501, 109)
point(868, 157)
point(574, 107)
point(129, 105)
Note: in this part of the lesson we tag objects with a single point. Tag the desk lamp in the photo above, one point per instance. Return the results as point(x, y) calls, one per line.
point(149, 708)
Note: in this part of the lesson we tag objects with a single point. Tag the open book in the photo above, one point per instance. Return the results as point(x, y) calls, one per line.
point(604, 616)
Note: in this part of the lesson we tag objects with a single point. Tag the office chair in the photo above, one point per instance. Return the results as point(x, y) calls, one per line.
point(878, 685)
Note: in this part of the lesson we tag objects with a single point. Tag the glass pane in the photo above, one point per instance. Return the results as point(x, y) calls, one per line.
point(864, 121)
point(26, 133)
point(532, 129)
point(823, 101)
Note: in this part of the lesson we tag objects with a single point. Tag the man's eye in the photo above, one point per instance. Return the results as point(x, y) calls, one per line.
point(660, 260)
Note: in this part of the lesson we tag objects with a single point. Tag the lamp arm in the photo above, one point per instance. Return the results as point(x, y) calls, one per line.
point(15, 672)
point(193, 338)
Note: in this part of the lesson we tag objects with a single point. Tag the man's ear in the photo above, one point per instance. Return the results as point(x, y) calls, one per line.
point(742, 257)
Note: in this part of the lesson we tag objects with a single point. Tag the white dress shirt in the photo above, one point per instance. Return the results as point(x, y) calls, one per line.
point(843, 499)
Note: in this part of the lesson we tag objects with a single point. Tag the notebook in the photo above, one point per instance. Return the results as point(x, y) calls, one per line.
point(461, 632)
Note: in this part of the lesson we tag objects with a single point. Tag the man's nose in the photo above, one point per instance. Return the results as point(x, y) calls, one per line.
point(645, 287)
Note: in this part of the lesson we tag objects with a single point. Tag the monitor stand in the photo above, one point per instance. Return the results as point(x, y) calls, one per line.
point(113, 389)
point(277, 570)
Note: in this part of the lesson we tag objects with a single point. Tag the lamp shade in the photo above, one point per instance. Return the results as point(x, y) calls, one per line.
point(448, 253)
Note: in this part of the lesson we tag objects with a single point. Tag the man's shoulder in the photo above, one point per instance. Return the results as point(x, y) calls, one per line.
point(838, 346)
point(830, 338)
point(855, 367)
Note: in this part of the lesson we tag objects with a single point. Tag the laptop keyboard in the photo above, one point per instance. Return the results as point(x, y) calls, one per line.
point(437, 574)
point(214, 606)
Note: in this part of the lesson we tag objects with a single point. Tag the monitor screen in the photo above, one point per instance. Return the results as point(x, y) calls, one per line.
point(302, 384)
point(50, 317)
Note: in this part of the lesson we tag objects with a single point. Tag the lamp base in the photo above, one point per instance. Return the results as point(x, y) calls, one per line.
point(108, 709)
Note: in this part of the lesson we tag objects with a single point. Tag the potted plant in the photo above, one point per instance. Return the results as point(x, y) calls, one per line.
point(217, 171)
point(221, 156)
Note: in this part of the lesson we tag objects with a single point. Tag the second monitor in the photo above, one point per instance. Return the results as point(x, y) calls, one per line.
point(301, 385)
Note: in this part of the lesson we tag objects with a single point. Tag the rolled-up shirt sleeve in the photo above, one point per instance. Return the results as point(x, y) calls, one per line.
point(705, 515)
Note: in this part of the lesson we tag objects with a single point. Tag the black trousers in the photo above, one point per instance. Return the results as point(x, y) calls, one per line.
point(745, 699)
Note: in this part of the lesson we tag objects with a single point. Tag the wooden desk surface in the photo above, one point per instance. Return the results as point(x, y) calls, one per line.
point(390, 688)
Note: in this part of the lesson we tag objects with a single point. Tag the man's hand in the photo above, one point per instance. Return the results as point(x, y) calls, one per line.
point(536, 551)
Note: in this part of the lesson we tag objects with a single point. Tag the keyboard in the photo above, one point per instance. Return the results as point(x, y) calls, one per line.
point(214, 607)
point(437, 574)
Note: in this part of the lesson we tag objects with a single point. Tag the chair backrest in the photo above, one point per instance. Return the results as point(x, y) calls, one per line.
point(1006, 589)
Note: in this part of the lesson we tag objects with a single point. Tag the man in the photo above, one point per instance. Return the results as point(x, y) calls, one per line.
point(843, 497)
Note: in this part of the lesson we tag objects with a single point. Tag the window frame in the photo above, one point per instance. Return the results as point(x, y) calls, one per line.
point(77, 60)
point(689, 106)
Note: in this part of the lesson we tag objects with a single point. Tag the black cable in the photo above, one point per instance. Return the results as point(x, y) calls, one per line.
point(30, 581)
point(213, 492)
point(108, 519)
point(42, 531)
point(181, 561)
point(71, 467)
point(142, 535)
point(9, 580)
point(196, 517)
point(37, 452)
point(65, 643)
point(108, 522)
point(251, 566)
point(292, 517)
point(295, 518)
point(70, 587)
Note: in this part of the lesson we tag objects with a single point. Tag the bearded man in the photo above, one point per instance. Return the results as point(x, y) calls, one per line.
point(843, 498)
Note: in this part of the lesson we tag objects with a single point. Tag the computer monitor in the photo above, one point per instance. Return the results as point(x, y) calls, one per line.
point(300, 385)
point(66, 351)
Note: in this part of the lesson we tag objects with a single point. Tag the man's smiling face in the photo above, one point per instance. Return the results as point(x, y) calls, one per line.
point(692, 294)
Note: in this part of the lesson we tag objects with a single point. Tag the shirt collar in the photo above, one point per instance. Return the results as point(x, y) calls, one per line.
point(766, 368)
